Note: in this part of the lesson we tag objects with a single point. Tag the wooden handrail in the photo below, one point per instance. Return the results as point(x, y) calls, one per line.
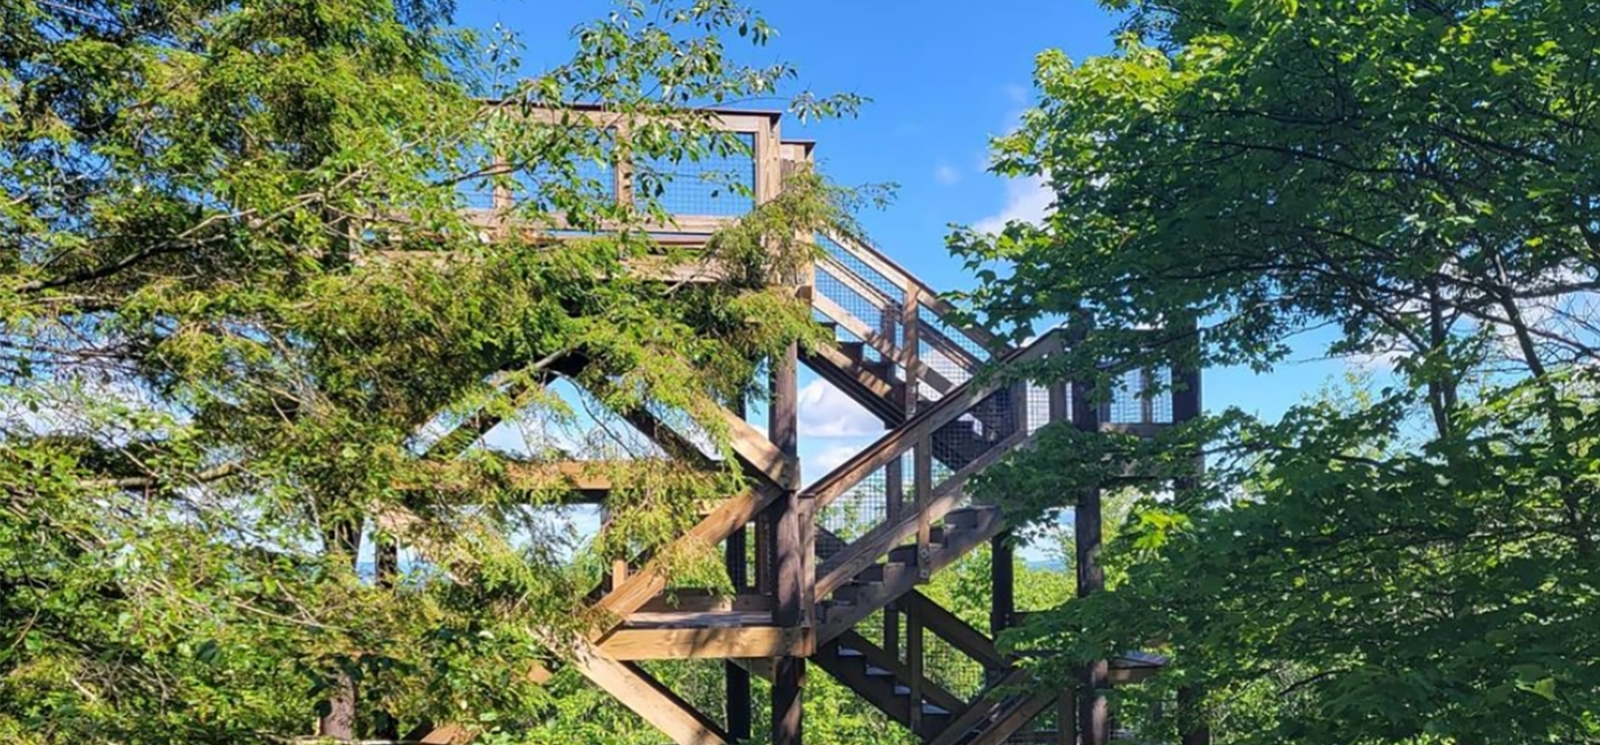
point(930, 299)
point(929, 419)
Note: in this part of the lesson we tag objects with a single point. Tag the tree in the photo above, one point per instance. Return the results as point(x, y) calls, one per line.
point(221, 370)
point(1419, 179)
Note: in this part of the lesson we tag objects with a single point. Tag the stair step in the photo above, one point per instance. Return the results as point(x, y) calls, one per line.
point(879, 672)
point(902, 690)
point(971, 518)
point(903, 555)
point(848, 652)
point(853, 591)
point(855, 350)
point(934, 710)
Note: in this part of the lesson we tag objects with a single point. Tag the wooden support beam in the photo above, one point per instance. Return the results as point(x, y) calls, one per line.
point(648, 698)
point(916, 658)
point(1003, 583)
point(1192, 726)
point(791, 528)
point(961, 727)
point(949, 627)
point(1067, 718)
point(1094, 710)
point(788, 681)
point(737, 701)
point(733, 642)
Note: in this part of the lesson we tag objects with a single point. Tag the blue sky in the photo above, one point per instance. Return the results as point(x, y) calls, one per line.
point(944, 77)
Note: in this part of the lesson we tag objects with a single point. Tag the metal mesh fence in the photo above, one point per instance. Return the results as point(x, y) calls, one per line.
point(852, 263)
point(720, 184)
point(858, 510)
point(1039, 407)
point(948, 666)
point(938, 360)
point(1131, 401)
point(982, 428)
point(550, 185)
point(942, 327)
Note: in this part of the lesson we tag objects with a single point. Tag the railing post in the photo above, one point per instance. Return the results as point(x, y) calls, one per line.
point(894, 477)
point(922, 457)
point(622, 166)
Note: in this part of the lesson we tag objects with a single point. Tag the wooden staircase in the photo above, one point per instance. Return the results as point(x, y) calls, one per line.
point(839, 560)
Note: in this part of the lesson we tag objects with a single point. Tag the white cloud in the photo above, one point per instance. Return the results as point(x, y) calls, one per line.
point(946, 174)
point(1027, 199)
point(825, 411)
point(830, 458)
point(1016, 94)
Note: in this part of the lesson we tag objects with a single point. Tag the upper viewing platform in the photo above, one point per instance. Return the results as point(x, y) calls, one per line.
point(738, 161)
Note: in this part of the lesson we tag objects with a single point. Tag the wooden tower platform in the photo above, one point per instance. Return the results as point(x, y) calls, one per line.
point(839, 556)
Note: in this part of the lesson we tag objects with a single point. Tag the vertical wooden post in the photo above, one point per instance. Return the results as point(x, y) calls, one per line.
point(793, 530)
point(894, 474)
point(915, 661)
point(1067, 718)
point(1094, 711)
point(1186, 405)
point(386, 554)
point(342, 541)
point(736, 677)
point(622, 165)
point(789, 539)
point(922, 457)
point(1192, 726)
point(1003, 582)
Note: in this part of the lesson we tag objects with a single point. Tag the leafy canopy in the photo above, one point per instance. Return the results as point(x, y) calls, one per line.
point(1416, 182)
point(246, 281)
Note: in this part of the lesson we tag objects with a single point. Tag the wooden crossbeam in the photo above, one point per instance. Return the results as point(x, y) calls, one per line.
point(647, 697)
point(951, 628)
point(734, 642)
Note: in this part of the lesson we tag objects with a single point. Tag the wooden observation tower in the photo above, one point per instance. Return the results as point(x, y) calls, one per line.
point(838, 556)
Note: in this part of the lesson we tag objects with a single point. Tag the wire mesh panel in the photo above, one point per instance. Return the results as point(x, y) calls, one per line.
point(973, 435)
point(1132, 400)
point(947, 665)
point(720, 183)
point(937, 359)
point(943, 328)
point(858, 510)
point(1038, 406)
point(551, 186)
point(870, 307)
point(853, 263)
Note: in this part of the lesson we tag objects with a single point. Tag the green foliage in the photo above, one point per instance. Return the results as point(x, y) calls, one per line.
point(241, 290)
point(1412, 563)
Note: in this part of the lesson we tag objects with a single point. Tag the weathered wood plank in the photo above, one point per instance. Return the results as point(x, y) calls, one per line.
point(733, 642)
